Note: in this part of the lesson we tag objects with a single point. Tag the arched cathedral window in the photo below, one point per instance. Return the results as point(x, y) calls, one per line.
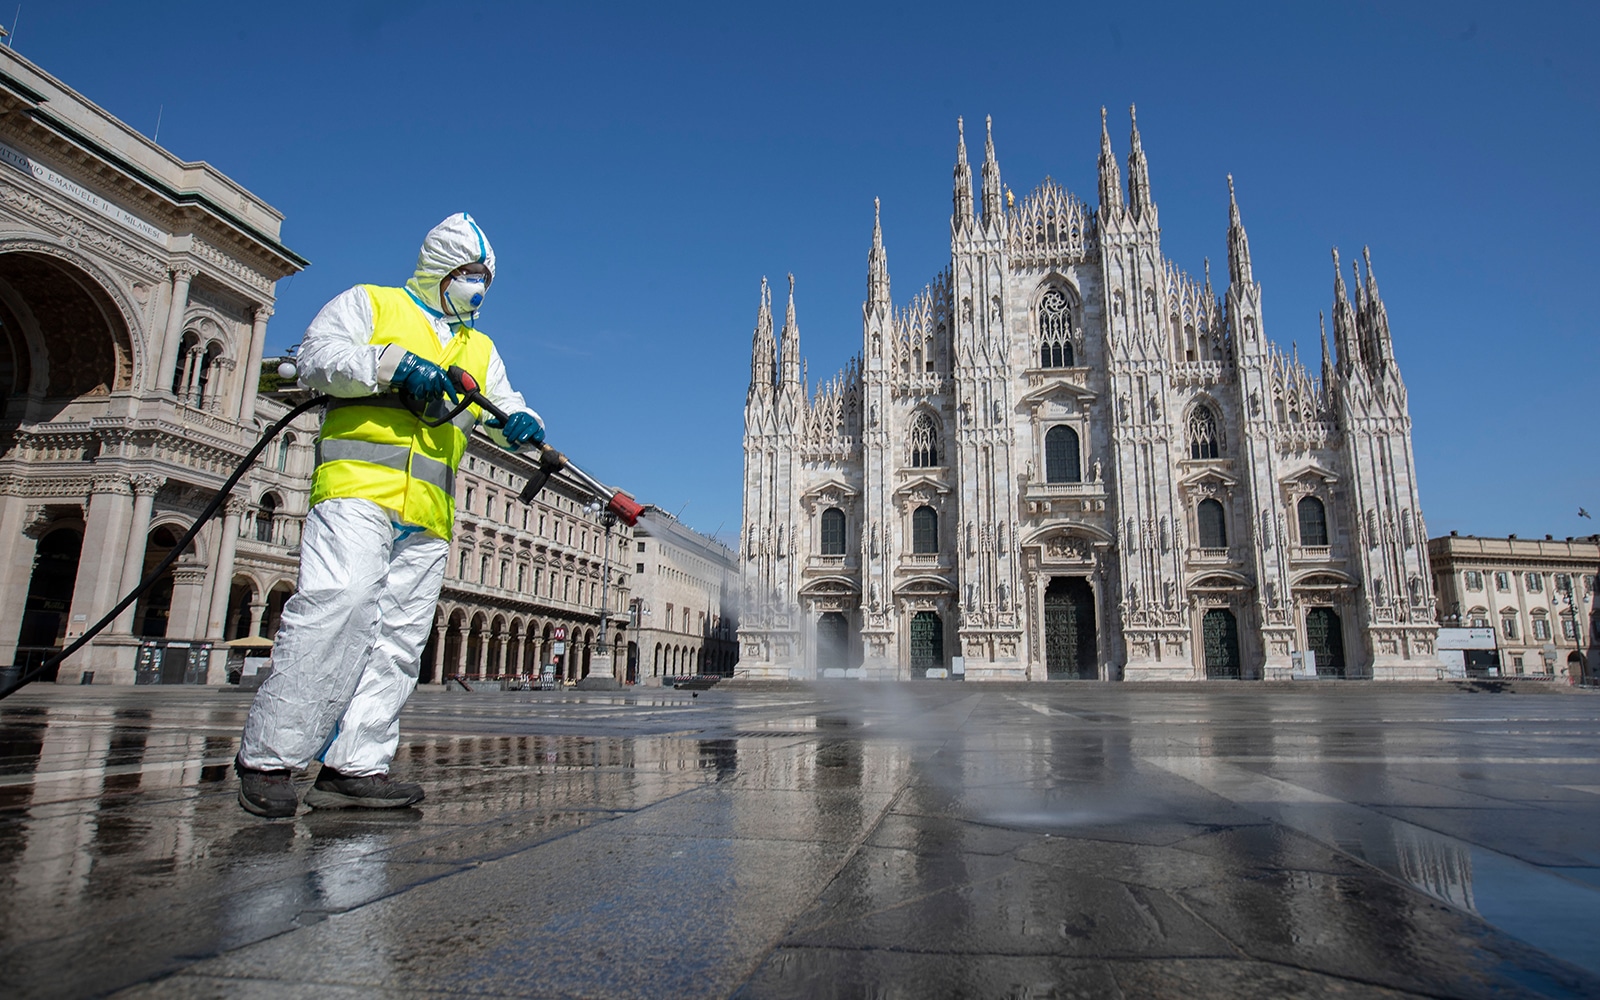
point(924, 531)
point(1055, 329)
point(1061, 461)
point(924, 442)
point(833, 532)
point(1313, 521)
point(1204, 441)
point(1213, 525)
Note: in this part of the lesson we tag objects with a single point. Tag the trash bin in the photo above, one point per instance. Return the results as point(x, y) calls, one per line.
point(87, 677)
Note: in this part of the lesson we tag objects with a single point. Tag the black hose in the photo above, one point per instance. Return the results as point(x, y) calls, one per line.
point(177, 550)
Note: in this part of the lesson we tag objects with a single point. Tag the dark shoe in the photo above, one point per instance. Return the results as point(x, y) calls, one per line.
point(266, 793)
point(370, 791)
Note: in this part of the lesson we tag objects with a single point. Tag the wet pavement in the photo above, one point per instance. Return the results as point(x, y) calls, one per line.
point(1057, 840)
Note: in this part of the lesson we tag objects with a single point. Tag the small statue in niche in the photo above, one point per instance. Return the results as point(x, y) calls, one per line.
point(1255, 404)
point(1097, 470)
point(998, 413)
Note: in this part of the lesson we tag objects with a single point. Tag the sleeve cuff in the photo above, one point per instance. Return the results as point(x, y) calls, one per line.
point(388, 361)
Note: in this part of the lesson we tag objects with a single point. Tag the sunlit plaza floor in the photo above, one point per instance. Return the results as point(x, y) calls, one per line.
point(932, 840)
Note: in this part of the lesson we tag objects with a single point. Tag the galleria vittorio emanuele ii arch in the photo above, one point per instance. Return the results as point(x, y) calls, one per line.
point(135, 291)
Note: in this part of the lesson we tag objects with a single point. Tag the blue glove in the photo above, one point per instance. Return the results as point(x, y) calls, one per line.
point(423, 380)
point(519, 429)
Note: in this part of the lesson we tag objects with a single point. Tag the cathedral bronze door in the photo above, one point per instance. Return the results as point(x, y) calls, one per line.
point(927, 643)
point(1325, 638)
point(1069, 637)
point(1220, 633)
point(833, 641)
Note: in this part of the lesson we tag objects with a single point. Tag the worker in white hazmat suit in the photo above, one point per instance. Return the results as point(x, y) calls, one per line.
point(372, 554)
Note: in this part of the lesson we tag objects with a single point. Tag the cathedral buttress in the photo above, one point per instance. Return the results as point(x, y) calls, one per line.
point(1390, 537)
point(1264, 523)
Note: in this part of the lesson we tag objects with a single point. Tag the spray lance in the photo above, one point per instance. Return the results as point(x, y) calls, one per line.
point(550, 460)
point(550, 463)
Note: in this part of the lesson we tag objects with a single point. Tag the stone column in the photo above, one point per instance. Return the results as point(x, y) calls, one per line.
point(188, 590)
point(145, 486)
point(105, 544)
point(172, 338)
point(252, 369)
point(257, 612)
point(21, 526)
point(222, 574)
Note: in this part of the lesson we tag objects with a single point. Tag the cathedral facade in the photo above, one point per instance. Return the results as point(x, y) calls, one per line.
point(1066, 458)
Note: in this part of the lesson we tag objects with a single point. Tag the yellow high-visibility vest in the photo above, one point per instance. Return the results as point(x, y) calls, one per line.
point(374, 448)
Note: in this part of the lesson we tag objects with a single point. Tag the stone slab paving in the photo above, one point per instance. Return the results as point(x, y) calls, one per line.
point(1061, 840)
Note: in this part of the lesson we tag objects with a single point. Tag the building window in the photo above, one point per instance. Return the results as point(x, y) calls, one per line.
point(1474, 580)
point(461, 566)
point(833, 532)
point(1055, 329)
point(1534, 582)
point(1541, 628)
point(1213, 525)
point(483, 571)
point(1480, 622)
point(1562, 582)
point(641, 546)
point(522, 578)
point(283, 451)
point(1569, 627)
point(638, 567)
point(505, 573)
point(1204, 441)
point(1061, 460)
point(471, 495)
point(265, 517)
point(924, 531)
point(924, 442)
point(508, 511)
point(1313, 522)
point(1502, 581)
point(1508, 627)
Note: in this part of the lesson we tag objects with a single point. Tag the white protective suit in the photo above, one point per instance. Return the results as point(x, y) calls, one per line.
point(348, 648)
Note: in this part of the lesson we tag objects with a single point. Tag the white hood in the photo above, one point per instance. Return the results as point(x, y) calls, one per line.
point(452, 243)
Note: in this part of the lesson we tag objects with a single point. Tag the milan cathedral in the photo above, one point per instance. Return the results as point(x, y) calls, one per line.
point(1065, 458)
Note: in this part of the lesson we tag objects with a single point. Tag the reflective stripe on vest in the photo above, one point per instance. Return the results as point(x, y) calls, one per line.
point(390, 456)
point(377, 448)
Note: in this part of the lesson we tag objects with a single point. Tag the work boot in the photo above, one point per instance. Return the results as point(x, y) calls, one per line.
point(368, 791)
point(266, 793)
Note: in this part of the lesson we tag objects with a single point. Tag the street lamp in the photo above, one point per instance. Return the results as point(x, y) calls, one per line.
point(595, 680)
point(638, 612)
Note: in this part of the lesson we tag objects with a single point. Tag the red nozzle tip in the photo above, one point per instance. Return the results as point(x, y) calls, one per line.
point(625, 508)
point(463, 379)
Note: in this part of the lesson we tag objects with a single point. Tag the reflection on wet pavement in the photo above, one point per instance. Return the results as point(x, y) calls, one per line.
point(931, 840)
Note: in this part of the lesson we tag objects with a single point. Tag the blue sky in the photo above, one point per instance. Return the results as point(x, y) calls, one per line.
point(640, 167)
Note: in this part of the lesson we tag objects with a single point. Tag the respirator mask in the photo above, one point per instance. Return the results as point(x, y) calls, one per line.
point(463, 296)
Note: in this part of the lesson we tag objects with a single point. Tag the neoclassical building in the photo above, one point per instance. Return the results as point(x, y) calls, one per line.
point(520, 574)
point(1066, 458)
point(686, 594)
point(135, 291)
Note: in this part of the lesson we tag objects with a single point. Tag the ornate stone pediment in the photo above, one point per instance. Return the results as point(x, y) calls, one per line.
point(1221, 580)
point(1309, 481)
point(831, 493)
point(1207, 482)
point(1066, 388)
point(921, 490)
point(831, 586)
point(1324, 578)
point(924, 586)
point(1071, 535)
